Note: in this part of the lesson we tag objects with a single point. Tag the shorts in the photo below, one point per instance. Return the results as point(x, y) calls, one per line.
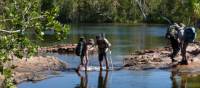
point(101, 56)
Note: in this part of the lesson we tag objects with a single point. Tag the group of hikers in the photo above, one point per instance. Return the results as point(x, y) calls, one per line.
point(84, 46)
point(180, 36)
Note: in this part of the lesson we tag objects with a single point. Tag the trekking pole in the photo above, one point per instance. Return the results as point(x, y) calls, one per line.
point(111, 58)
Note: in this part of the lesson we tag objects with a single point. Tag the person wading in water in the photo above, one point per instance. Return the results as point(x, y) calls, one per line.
point(82, 50)
point(103, 47)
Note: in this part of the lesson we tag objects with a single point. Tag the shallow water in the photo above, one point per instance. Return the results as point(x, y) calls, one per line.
point(125, 39)
point(115, 79)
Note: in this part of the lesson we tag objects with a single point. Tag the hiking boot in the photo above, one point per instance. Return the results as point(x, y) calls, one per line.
point(183, 62)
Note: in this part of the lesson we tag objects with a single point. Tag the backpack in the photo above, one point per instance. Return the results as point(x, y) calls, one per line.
point(189, 34)
point(181, 34)
point(172, 33)
point(79, 48)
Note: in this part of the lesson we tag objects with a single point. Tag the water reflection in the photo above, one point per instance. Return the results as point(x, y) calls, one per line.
point(184, 81)
point(102, 81)
point(83, 80)
point(178, 81)
point(173, 78)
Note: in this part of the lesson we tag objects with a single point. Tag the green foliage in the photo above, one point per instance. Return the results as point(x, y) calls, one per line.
point(8, 78)
point(98, 11)
point(196, 5)
point(128, 11)
point(20, 19)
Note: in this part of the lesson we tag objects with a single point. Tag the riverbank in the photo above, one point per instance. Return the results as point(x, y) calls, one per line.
point(35, 68)
point(159, 59)
point(62, 49)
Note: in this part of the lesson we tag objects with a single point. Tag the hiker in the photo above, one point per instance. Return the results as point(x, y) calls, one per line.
point(172, 35)
point(180, 36)
point(103, 47)
point(82, 50)
point(188, 37)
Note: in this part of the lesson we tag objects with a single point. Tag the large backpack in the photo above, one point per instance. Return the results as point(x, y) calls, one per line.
point(79, 48)
point(189, 34)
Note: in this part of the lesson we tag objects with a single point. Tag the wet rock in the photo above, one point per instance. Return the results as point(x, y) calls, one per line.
point(157, 60)
point(188, 70)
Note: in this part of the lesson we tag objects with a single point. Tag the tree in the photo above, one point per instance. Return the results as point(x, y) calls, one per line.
point(195, 7)
point(18, 20)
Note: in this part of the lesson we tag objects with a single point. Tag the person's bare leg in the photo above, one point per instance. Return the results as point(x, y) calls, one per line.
point(100, 61)
point(176, 48)
point(81, 64)
point(107, 64)
point(77, 70)
point(86, 62)
point(100, 64)
point(183, 53)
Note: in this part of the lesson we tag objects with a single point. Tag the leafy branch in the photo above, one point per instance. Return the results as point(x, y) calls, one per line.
point(21, 19)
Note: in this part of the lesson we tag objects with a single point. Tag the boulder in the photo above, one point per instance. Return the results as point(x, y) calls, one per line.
point(36, 68)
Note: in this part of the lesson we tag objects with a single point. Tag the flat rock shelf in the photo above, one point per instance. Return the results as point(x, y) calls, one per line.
point(159, 59)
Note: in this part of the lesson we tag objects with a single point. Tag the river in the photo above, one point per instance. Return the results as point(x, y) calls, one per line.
point(125, 39)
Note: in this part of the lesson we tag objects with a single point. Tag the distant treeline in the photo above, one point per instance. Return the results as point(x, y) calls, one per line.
point(128, 11)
